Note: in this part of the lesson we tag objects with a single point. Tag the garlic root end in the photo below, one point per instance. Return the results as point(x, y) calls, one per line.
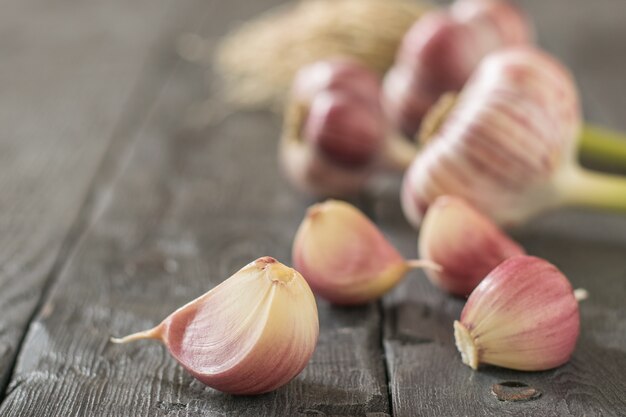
point(154, 333)
point(581, 294)
point(465, 345)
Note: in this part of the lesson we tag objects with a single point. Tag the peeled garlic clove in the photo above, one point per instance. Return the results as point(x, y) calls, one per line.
point(251, 334)
point(345, 130)
point(522, 316)
point(440, 52)
point(465, 243)
point(344, 257)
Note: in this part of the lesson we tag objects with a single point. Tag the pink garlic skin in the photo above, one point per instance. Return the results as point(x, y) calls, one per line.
point(440, 52)
point(523, 316)
point(347, 131)
point(339, 74)
point(343, 255)
point(465, 243)
point(513, 130)
point(331, 148)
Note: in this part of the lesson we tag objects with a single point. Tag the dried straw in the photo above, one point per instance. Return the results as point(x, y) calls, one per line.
point(259, 59)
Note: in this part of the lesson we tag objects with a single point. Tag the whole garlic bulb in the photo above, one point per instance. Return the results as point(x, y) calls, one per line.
point(344, 257)
point(523, 315)
point(335, 136)
point(440, 52)
point(465, 243)
point(508, 145)
point(251, 334)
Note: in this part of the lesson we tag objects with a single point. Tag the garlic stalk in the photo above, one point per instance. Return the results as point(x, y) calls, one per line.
point(344, 257)
point(335, 136)
point(440, 52)
point(251, 334)
point(522, 316)
point(465, 243)
point(603, 145)
point(508, 145)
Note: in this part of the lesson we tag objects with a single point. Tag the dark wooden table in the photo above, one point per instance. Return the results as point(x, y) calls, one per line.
point(113, 213)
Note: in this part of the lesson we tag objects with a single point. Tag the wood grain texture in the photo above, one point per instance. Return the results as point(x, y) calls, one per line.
point(427, 377)
point(188, 210)
point(66, 74)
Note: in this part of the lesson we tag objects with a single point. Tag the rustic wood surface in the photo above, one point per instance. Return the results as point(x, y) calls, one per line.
point(114, 213)
point(72, 77)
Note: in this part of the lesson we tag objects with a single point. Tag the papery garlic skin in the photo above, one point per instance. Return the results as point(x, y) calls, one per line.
point(466, 244)
point(440, 52)
point(249, 335)
point(512, 132)
point(522, 316)
point(343, 256)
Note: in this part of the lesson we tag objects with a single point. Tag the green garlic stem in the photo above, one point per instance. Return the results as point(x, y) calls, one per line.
point(582, 187)
point(603, 145)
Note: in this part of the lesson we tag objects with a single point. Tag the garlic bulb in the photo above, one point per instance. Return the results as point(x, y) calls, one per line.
point(508, 145)
point(335, 136)
point(440, 52)
point(251, 334)
point(466, 244)
point(523, 316)
point(344, 257)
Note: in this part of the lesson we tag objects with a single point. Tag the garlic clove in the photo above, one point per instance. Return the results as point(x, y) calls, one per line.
point(423, 71)
point(251, 334)
point(308, 168)
point(335, 136)
point(342, 74)
point(522, 316)
point(345, 130)
point(344, 257)
point(441, 51)
point(502, 22)
point(465, 243)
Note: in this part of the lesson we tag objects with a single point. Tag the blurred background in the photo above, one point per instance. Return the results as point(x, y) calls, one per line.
point(130, 183)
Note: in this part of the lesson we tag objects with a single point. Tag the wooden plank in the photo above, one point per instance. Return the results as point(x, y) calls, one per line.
point(426, 374)
point(67, 71)
point(187, 211)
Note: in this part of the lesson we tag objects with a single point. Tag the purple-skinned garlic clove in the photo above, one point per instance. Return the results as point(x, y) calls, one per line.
point(344, 257)
point(465, 243)
point(251, 334)
point(335, 136)
point(441, 51)
point(523, 315)
point(342, 74)
point(346, 130)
